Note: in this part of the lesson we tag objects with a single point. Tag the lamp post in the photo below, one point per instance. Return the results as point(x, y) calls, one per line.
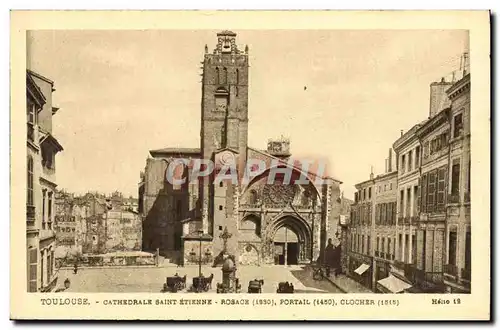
point(200, 233)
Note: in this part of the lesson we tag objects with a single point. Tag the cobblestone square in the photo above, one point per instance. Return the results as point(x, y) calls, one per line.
point(152, 279)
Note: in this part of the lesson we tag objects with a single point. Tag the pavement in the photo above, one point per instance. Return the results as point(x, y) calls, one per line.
point(348, 285)
point(151, 279)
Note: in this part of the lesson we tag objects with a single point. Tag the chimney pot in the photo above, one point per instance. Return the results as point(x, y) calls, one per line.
point(389, 161)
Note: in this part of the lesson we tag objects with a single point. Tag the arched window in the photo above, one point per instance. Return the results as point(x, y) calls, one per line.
point(30, 198)
point(224, 76)
point(217, 76)
point(252, 197)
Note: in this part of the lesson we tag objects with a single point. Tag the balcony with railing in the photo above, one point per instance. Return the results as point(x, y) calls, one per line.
point(450, 271)
point(409, 271)
point(432, 282)
point(465, 274)
point(467, 197)
point(400, 221)
point(30, 215)
point(399, 264)
point(453, 199)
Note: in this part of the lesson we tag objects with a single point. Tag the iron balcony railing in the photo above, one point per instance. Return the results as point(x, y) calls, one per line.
point(409, 271)
point(451, 270)
point(466, 274)
point(467, 197)
point(399, 264)
point(30, 213)
point(453, 199)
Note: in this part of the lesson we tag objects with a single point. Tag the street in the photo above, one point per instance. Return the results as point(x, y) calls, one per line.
point(128, 279)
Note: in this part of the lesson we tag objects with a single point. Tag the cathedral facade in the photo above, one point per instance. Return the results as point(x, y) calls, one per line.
point(263, 220)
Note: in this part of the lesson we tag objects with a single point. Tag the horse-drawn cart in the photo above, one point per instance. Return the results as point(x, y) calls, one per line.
point(285, 287)
point(202, 283)
point(255, 286)
point(174, 283)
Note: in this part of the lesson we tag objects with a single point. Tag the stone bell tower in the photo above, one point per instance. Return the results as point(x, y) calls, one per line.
point(224, 105)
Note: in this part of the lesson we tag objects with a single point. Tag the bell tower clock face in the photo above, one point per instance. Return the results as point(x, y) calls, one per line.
point(220, 104)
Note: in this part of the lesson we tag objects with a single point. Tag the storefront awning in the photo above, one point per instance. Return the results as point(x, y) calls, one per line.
point(361, 269)
point(394, 284)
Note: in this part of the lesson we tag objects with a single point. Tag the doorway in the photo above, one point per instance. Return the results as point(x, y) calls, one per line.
point(292, 255)
point(286, 247)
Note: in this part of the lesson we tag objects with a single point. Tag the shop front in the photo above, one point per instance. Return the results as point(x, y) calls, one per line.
point(360, 269)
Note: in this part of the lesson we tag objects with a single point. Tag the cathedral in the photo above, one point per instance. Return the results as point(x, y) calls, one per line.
point(258, 221)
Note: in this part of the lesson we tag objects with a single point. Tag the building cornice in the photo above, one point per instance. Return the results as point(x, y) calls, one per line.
point(39, 76)
point(386, 176)
point(364, 184)
point(48, 182)
point(460, 87)
point(35, 91)
point(434, 123)
point(409, 137)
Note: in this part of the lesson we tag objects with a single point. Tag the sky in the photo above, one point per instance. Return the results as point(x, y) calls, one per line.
point(123, 93)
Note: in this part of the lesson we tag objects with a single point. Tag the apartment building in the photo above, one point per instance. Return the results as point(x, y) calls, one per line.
point(360, 257)
point(42, 148)
point(457, 270)
point(433, 201)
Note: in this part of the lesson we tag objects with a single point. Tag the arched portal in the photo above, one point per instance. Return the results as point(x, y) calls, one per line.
point(291, 237)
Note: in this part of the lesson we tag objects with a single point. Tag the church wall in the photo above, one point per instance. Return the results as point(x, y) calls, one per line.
point(249, 253)
point(161, 209)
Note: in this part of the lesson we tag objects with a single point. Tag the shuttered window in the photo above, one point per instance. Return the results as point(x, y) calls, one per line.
point(388, 213)
point(423, 193)
point(32, 270)
point(417, 200)
point(441, 189)
point(369, 220)
point(455, 177)
point(431, 191)
point(30, 183)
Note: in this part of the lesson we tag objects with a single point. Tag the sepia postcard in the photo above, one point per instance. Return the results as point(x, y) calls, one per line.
point(250, 165)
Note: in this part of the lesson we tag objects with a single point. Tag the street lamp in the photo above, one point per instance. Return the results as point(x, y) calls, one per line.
point(200, 234)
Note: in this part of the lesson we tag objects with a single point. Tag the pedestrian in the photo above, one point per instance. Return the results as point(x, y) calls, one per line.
point(75, 269)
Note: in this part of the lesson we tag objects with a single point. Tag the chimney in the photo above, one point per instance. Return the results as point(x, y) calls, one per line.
point(371, 173)
point(401, 132)
point(389, 161)
point(386, 162)
point(438, 98)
